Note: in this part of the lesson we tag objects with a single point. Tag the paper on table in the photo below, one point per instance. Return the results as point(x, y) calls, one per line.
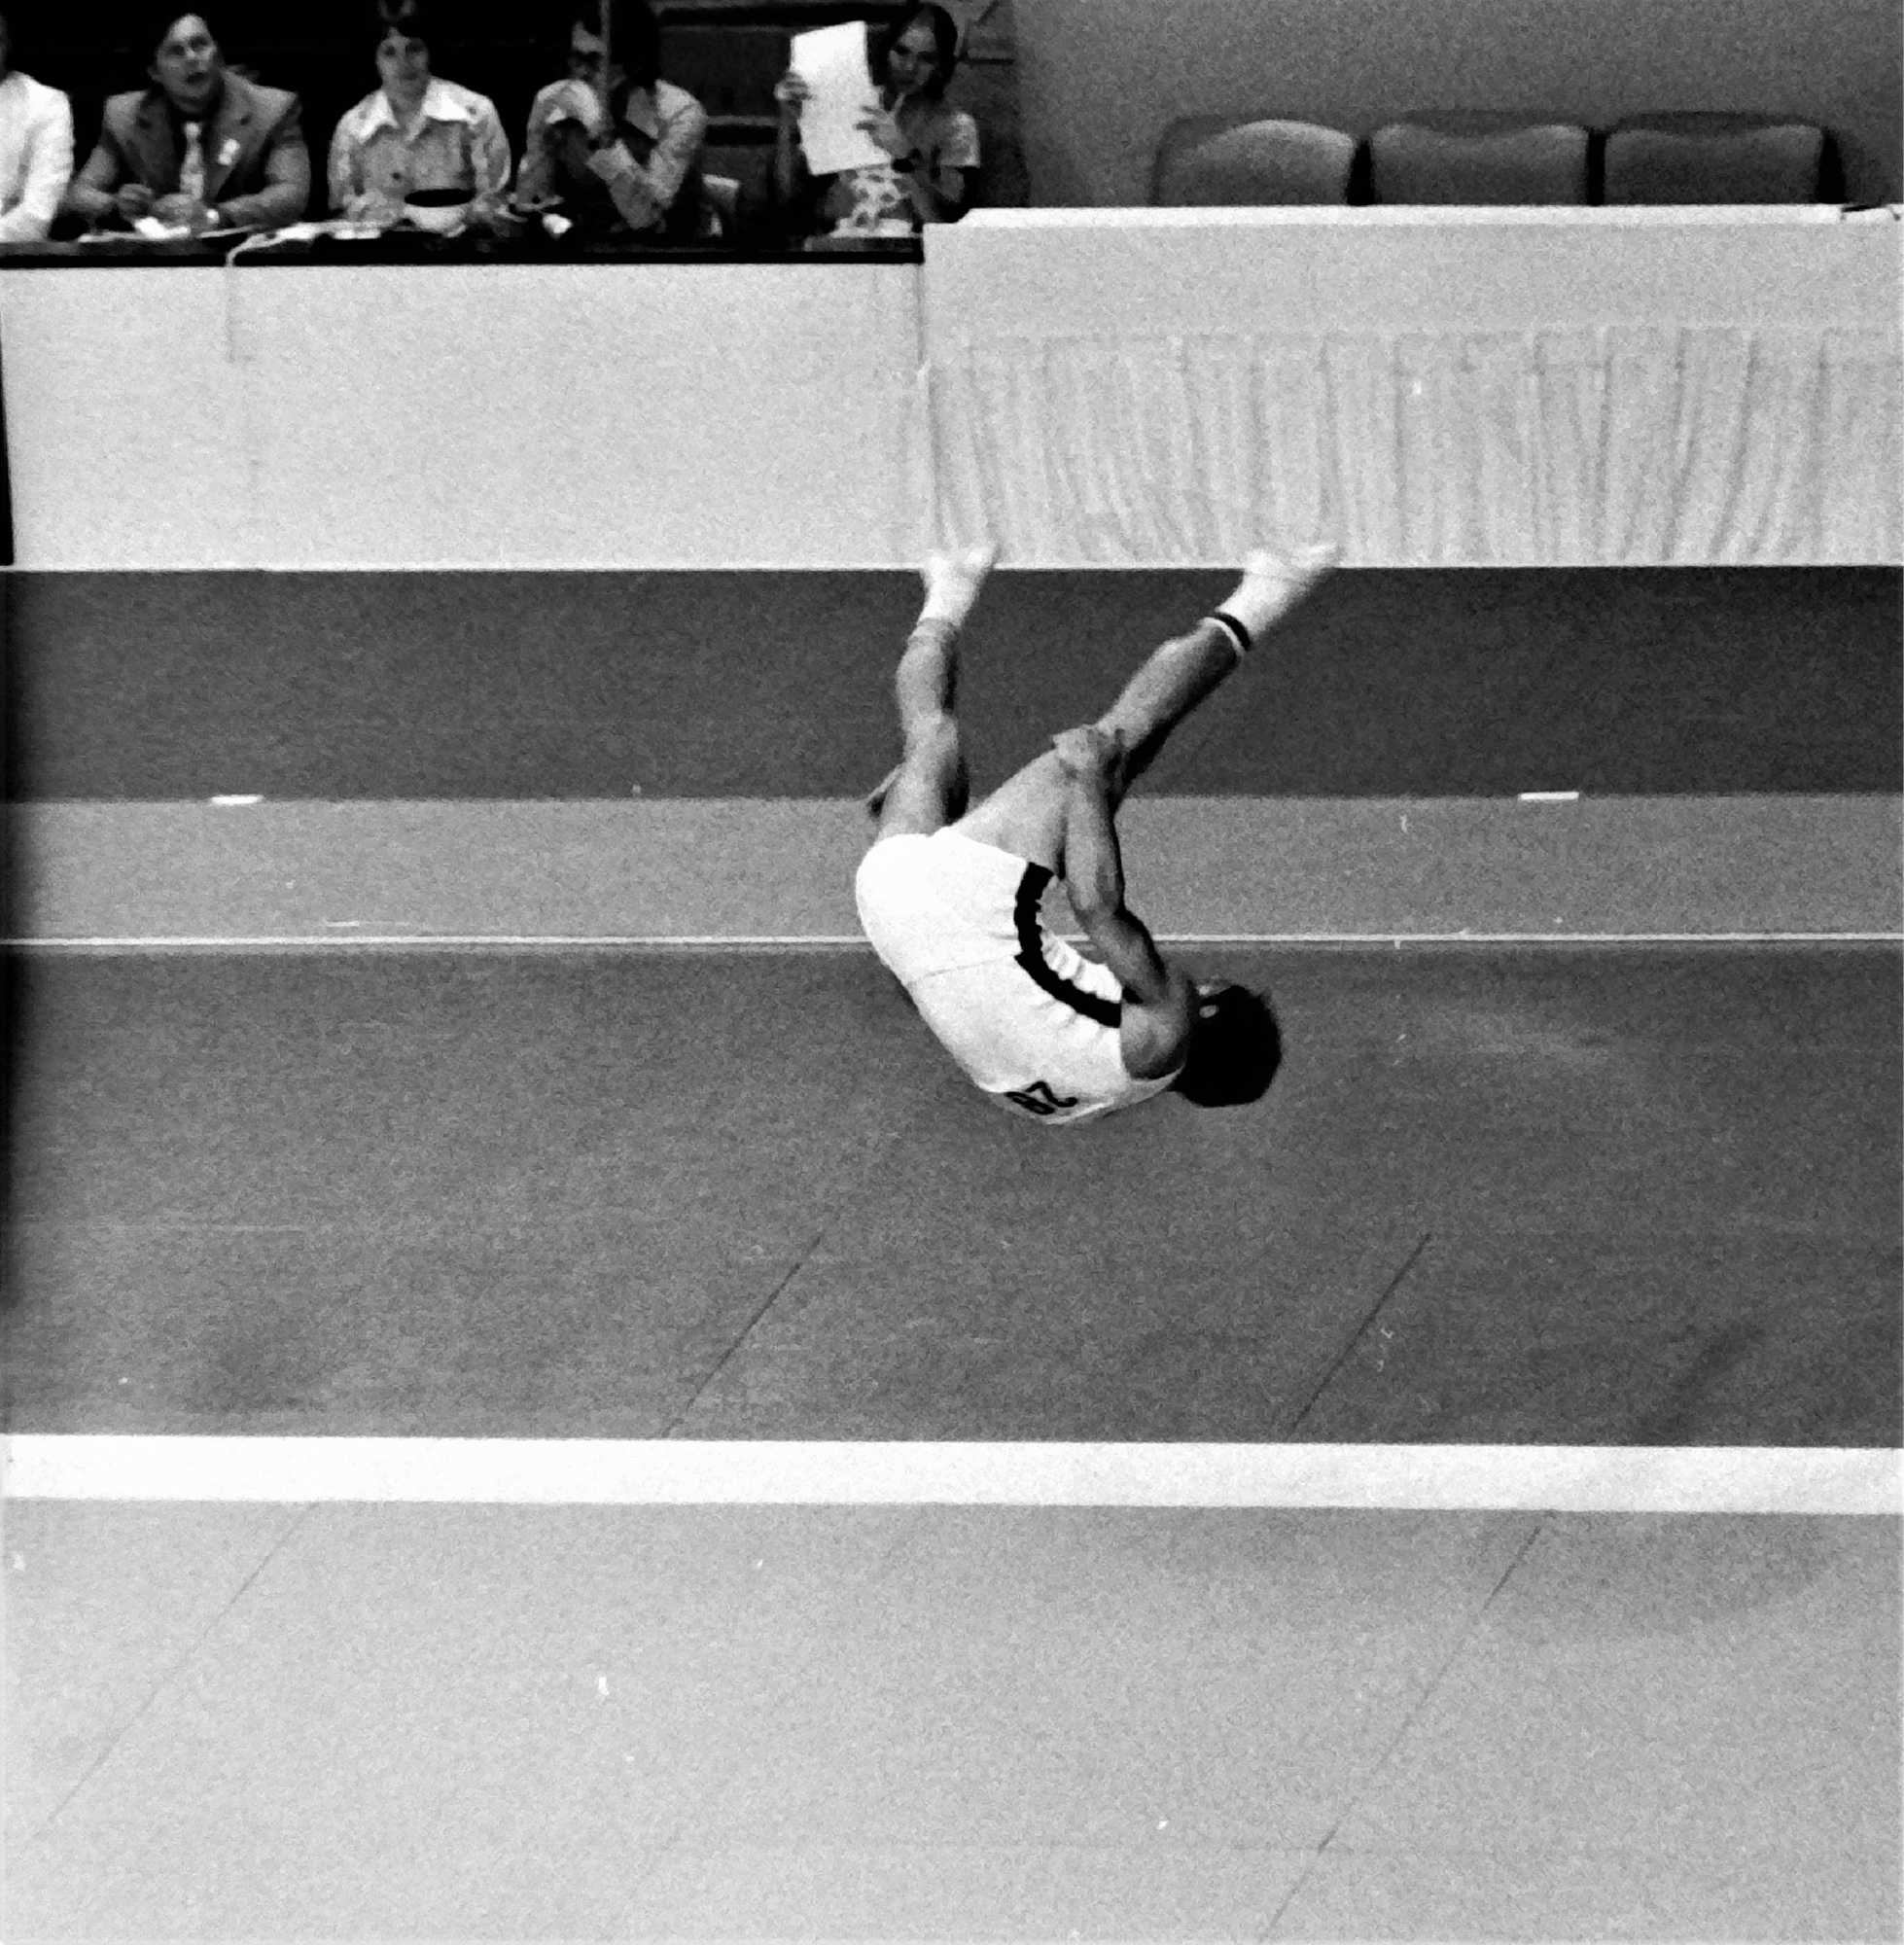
point(833, 62)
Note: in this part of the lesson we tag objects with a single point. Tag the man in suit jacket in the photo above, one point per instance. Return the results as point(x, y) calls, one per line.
point(201, 147)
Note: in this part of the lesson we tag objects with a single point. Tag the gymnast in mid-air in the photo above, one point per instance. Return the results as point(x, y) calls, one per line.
point(949, 894)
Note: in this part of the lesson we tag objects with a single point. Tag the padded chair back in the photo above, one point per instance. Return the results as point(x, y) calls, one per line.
point(1476, 157)
point(723, 194)
point(1209, 160)
point(1714, 158)
point(737, 184)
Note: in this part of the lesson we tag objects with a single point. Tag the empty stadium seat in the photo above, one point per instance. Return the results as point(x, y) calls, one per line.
point(1460, 156)
point(1708, 158)
point(1214, 158)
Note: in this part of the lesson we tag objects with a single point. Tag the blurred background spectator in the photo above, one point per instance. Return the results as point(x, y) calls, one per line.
point(932, 145)
point(618, 145)
point(416, 132)
point(36, 150)
point(203, 147)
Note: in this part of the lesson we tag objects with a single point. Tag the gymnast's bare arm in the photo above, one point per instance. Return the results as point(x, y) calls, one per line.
point(1159, 998)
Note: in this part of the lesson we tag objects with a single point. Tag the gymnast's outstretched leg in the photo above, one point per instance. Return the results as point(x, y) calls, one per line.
point(928, 787)
point(1025, 814)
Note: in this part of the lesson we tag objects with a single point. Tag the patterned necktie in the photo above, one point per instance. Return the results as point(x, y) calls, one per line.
point(191, 171)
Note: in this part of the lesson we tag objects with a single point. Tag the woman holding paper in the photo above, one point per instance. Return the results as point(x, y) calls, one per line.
point(916, 153)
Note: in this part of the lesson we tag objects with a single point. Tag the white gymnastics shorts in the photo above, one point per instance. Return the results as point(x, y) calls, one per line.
point(1033, 1022)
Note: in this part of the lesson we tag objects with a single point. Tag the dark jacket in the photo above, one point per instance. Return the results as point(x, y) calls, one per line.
point(258, 170)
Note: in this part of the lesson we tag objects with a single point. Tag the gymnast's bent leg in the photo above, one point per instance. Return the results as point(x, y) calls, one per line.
point(930, 784)
point(1025, 814)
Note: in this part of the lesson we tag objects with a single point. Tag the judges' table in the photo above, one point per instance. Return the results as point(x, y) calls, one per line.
point(1480, 387)
point(667, 412)
point(1452, 387)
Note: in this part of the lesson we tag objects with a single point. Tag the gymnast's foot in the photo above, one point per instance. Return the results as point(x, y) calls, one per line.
point(1274, 583)
point(953, 581)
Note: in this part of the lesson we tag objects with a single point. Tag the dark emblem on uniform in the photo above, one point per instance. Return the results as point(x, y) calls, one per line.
point(1039, 1099)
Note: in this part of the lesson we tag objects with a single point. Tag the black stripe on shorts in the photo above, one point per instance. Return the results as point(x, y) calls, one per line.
point(1031, 955)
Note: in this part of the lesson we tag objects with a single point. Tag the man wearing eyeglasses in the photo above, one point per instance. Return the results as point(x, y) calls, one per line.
point(613, 145)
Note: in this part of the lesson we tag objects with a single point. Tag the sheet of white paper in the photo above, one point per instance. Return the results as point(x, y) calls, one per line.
point(833, 62)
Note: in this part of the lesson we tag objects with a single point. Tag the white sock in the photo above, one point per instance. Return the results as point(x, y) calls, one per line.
point(1272, 585)
point(952, 583)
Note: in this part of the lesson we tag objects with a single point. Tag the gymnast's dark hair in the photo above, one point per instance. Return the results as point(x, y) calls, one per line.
point(634, 35)
point(1235, 1050)
point(945, 45)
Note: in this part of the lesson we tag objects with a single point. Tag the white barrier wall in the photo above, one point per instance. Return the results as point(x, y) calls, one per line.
point(1130, 388)
point(1428, 387)
point(652, 416)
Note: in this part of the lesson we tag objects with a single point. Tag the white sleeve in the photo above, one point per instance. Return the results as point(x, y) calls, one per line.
point(48, 169)
point(489, 152)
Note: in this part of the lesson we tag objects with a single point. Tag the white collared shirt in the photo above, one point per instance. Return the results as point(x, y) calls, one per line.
point(456, 141)
point(673, 124)
point(36, 157)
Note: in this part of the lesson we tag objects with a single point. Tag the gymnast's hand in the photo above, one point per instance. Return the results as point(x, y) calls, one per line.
point(1088, 751)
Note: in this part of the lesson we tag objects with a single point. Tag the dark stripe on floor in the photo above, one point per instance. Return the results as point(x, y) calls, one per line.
point(1392, 683)
point(1543, 1198)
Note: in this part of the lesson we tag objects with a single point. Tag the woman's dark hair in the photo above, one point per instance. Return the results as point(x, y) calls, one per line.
point(414, 18)
point(1235, 1050)
point(945, 45)
point(634, 35)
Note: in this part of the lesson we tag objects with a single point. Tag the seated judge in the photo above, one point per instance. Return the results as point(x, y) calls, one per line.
point(931, 147)
point(416, 132)
point(36, 150)
point(201, 148)
point(618, 145)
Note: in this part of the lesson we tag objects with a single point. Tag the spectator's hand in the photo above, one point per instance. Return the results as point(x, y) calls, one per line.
point(373, 207)
point(1087, 752)
point(884, 132)
point(133, 201)
point(577, 101)
point(793, 94)
point(183, 209)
